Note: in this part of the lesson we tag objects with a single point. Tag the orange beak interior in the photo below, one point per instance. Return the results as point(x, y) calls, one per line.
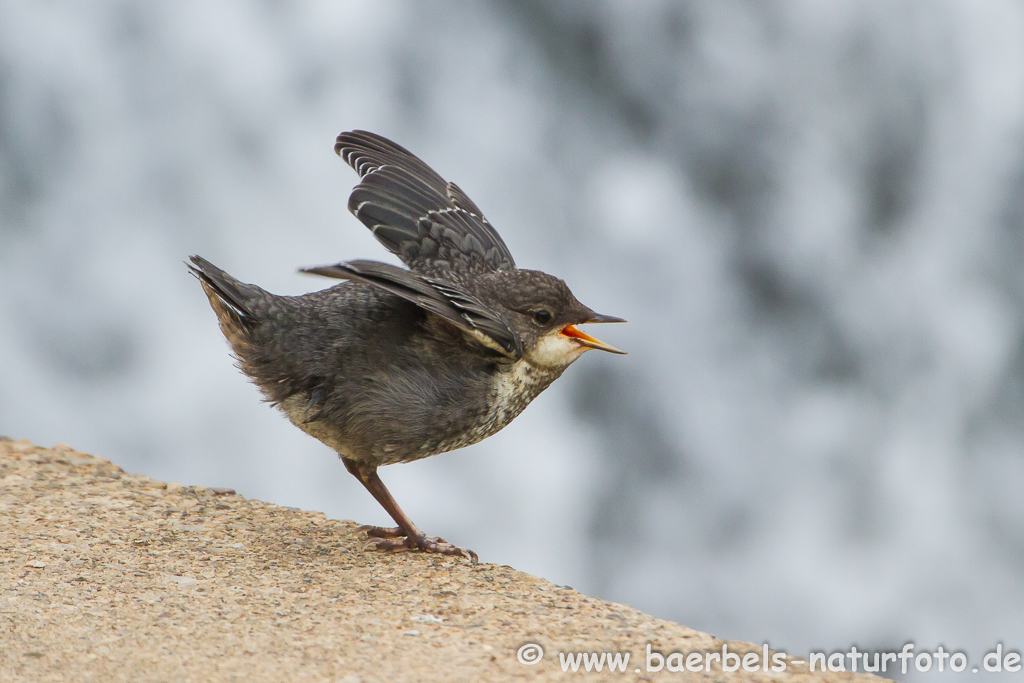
point(571, 331)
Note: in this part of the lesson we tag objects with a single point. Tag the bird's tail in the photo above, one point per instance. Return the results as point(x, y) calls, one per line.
point(231, 301)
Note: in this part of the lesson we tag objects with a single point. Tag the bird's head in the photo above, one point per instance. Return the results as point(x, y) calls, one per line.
point(542, 310)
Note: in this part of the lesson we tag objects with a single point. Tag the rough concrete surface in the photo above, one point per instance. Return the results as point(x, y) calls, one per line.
point(109, 576)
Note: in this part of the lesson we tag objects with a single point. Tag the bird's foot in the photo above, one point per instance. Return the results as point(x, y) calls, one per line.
point(393, 538)
point(379, 531)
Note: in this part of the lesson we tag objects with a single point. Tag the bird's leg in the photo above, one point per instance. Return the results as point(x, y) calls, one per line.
point(406, 536)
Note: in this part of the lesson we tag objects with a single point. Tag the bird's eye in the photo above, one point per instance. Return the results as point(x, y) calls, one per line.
point(542, 317)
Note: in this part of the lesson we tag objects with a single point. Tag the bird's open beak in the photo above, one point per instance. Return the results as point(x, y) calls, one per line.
point(587, 340)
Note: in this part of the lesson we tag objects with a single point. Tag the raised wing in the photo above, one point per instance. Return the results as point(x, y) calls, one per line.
point(427, 222)
point(441, 298)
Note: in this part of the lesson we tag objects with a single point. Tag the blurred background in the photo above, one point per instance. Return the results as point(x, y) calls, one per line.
point(812, 215)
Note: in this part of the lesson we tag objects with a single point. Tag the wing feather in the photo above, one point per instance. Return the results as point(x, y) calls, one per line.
point(447, 300)
point(426, 221)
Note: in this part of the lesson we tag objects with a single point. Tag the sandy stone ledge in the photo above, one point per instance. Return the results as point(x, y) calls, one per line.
point(109, 576)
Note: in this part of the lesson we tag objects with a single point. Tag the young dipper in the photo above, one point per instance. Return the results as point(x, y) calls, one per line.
point(395, 365)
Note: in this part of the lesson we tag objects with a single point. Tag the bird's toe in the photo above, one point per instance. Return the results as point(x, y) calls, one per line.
point(439, 545)
point(380, 531)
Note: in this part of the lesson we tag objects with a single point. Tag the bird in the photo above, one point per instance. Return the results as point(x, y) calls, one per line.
point(395, 364)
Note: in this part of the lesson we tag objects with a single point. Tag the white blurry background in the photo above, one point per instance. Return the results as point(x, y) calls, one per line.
point(812, 215)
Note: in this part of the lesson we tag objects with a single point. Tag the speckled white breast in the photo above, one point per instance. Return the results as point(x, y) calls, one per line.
point(511, 392)
point(514, 388)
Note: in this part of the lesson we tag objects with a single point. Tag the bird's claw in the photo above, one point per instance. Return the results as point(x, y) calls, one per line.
point(384, 538)
point(379, 531)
